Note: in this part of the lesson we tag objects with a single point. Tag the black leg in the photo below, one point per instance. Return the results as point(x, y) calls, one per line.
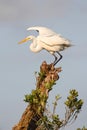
point(56, 58)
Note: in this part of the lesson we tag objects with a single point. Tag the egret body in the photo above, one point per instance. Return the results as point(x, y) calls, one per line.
point(48, 40)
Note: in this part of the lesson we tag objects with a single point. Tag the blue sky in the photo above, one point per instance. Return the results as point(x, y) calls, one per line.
point(18, 64)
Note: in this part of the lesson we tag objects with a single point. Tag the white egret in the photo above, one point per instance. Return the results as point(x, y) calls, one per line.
point(48, 40)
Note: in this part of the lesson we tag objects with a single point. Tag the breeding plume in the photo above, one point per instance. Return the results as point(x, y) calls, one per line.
point(48, 40)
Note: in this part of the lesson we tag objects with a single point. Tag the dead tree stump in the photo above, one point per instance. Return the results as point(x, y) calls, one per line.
point(45, 80)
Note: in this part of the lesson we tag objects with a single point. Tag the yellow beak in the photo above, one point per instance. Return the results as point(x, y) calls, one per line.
point(24, 40)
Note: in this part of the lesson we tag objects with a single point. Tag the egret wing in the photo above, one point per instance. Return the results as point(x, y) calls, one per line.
point(49, 37)
point(43, 31)
point(53, 40)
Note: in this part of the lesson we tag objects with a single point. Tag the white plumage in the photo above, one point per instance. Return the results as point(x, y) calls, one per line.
point(48, 40)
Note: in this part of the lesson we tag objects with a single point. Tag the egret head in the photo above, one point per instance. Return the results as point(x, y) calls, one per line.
point(26, 39)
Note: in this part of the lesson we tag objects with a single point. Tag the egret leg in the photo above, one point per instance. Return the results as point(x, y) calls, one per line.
point(56, 58)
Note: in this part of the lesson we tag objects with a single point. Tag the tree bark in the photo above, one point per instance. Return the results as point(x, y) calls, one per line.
point(45, 80)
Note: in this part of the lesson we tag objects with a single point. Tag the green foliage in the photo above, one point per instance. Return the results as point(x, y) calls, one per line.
point(56, 120)
point(37, 99)
point(42, 75)
point(73, 107)
point(49, 85)
point(51, 123)
point(45, 123)
point(33, 98)
point(72, 102)
point(82, 128)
